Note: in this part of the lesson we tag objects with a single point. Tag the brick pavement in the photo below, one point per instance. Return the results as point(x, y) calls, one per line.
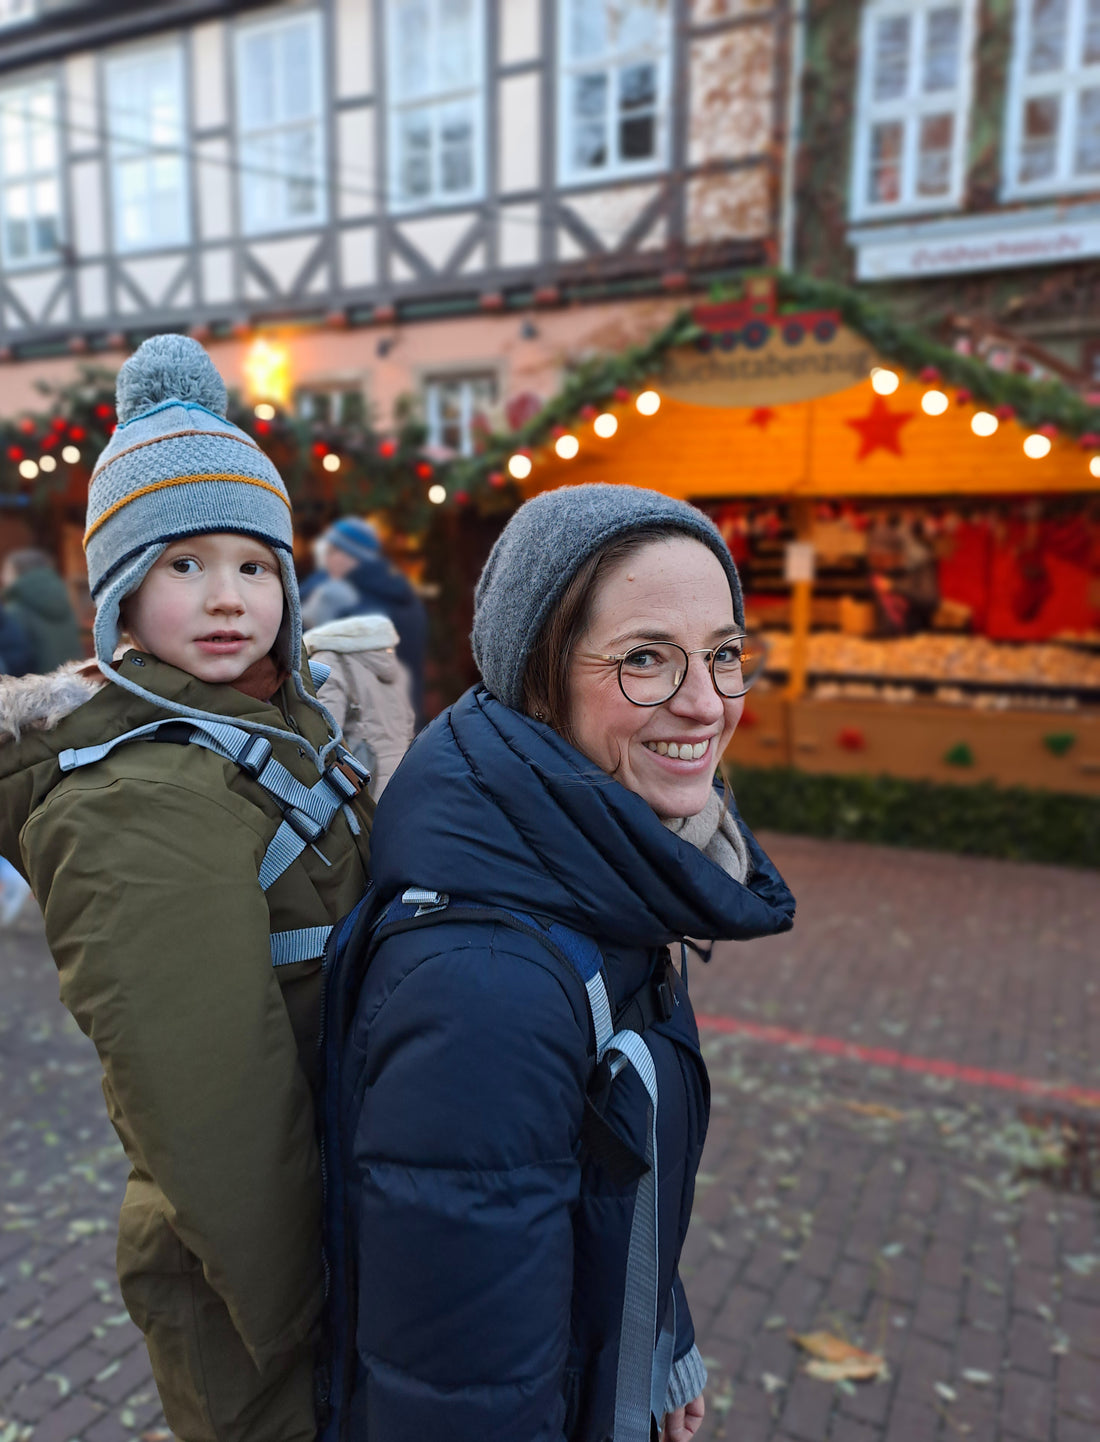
point(885, 1206)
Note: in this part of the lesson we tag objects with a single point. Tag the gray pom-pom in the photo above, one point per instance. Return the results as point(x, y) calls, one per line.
point(168, 367)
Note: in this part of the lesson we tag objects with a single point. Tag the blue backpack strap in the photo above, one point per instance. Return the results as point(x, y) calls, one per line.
point(306, 944)
point(319, 673)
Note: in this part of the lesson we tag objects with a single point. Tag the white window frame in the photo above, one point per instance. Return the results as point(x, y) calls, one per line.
point(611, 63)
point(473, 91)
point(1067, 83)
point(30, 178)
point(17, 12)
point(251, 224)
point(433, 419)
point(910, 110)
point(123, 149)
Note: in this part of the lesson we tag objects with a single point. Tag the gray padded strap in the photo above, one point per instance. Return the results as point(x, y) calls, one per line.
point(319, 673)
point(308, 944)
point(634, 1381)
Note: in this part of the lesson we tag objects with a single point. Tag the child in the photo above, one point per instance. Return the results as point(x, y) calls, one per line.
point(367, 691)
point(188, 875)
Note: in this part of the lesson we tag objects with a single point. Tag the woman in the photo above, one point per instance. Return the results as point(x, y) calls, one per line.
point(498, 1177)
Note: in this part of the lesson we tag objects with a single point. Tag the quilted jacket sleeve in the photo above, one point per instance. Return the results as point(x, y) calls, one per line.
point(160, 933)
point(465, 1154)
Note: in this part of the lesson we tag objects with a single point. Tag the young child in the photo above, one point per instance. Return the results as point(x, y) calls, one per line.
point(188, 875)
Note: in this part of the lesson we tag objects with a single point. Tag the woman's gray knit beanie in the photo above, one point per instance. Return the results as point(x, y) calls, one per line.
point(539, 552)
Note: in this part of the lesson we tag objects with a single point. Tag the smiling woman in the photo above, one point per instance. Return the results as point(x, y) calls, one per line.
point(561, 827)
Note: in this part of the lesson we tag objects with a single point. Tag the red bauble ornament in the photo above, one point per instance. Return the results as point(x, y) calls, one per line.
point(1089, 441)
point(1004, 413)
point(1049, 430)
point(387, 448)
point(104, 411)
point(622, 395)
point(77, 433)
point(58, 423)
point(15, 453)
point(851, 738)
point(424, 470)
point(262, 427)
point(962, 398)
point(496, 479)
point(557, 432)
point(462, 498)
point(588, 412)
point(930, 375)
point(319, 448)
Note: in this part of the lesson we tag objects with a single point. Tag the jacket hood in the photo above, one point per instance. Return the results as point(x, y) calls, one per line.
point(352, 633)
point(493, 806)
point(42, 591)
point(39, 703)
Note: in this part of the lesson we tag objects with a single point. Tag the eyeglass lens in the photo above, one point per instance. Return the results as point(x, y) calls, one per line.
point(652, 673)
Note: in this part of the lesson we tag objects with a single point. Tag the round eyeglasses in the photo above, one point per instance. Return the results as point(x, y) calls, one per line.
point(652, 672)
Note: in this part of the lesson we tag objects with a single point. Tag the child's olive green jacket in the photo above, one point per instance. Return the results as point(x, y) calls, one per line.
point(145, 865)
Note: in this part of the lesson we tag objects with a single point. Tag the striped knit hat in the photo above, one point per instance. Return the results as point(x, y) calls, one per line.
point(177, 467)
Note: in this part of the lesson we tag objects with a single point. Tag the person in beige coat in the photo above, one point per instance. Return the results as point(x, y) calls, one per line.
point(368, 690)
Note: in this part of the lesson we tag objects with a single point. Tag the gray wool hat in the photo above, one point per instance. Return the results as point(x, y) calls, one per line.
point(539, 552)
point(176, 467)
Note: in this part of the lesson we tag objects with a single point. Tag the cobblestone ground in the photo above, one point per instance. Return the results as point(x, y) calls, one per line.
point(892, 1206)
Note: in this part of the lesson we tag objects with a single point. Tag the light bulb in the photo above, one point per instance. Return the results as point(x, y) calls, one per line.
point(264, 411)
point(884, 382)
point(605, 426)
point(331, 462)
point(70, 455)
point(934, 403)
point(1094, 466)
point(28, 470)
point(437, 494)
point(1036, 446)
point(648, 403)
point(984, 423)
point(47, 463)
point(567, 447)
point(519, 466)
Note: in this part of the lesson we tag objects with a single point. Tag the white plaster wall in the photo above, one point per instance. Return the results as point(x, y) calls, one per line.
point(214, 188)
point(353, 48)
point(518, 235)
point(611, 213)
point(519, 31)
point(729, 206)
point(518, 133)
point(705, 11)
point(358, 257)
point(208, 88)
point(79, 99)
point(86, 221)
point(731, 94)
point(356, 174)
point(217, 276)
point(92, 290)
point(437, 238)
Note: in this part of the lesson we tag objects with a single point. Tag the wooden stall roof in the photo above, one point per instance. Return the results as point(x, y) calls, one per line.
point(851, 442)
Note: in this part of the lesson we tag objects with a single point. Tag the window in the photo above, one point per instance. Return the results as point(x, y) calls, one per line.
point(335, 405)
point(279, 116)
point(453, 405)
point(613, 87)
point(1052, 139)
point(145, 123)
point(13, 11)
point(435, 67)
point(914, 98)
point(30, 195)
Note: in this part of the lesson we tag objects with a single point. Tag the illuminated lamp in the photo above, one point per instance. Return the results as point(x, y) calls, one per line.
point(519, 466)
point(605, 425)
point(1036, 447)
point(984, 423)
point(934, 403)
point(331, 462)
point(567, 447)
point(884, 382)
point(648, 403)
point(437, 494)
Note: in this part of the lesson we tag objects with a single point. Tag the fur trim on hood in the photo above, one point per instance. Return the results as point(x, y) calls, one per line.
point(39, 703)
point(353, 633)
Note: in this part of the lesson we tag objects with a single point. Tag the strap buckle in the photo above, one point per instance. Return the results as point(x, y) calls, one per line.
point(342, 783)
point(253, 755)
point(304, 824)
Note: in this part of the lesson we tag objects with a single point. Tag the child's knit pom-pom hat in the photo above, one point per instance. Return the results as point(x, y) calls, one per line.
point(177, 467)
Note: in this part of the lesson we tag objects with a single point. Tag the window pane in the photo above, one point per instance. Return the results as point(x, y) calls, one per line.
point(638, 138)
point(45, 234)
point(1040, 144)
point(413, 51)
point(589, 122)
point(13, 143)
point(456, 158)
point(257, 72)
point(1088, 133)
point(455, 47)
point(637, 87)
point(635, 23)
point(891, 64)
point(941, 50)
point(638, 122)
point(587, 28)
point(18, 238)
point(415, 153)
point(1047, 37)
point(934, 154)
point(1092, 33)
point(297, 96)
point(886, 143)
point(300, 168)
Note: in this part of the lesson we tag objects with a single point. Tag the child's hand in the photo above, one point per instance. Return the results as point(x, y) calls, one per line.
point(682, 1425)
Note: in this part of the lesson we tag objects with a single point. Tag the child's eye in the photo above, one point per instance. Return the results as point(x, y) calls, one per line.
point(182, 565)
point(255, 568)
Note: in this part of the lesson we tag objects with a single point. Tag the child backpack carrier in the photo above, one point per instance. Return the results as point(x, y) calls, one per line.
point(643, 1369)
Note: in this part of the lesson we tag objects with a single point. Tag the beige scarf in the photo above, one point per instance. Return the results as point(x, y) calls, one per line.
point(715, 833)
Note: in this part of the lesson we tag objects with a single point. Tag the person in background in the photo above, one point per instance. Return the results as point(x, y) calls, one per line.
point(367, 691)
point(16, 652)
point(360, 581)
point(35, 594)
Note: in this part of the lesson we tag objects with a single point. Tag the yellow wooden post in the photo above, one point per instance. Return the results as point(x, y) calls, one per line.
point(801, 607)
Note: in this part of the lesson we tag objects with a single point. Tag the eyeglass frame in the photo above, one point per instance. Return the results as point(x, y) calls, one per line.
point(709, 651)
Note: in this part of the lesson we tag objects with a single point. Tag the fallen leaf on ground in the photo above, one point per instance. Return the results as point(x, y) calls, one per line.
point(835, 1360)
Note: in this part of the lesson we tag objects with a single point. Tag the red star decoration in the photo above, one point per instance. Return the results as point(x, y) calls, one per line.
point(880, 429)
point(762, 416)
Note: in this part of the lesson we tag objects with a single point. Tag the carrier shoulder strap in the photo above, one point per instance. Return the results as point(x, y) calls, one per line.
point(643, 1368)
point(308, 811)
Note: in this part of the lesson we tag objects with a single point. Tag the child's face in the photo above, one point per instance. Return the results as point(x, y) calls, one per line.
point(211, 605)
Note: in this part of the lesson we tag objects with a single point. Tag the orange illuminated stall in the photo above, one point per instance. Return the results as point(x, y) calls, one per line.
point(799, 413)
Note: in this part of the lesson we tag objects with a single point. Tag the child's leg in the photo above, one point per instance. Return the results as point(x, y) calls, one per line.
point(209, 1386)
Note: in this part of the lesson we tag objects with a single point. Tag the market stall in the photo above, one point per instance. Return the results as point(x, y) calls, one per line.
point(924, 562)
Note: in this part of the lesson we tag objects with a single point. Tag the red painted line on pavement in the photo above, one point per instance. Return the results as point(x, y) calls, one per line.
point(899, 1060)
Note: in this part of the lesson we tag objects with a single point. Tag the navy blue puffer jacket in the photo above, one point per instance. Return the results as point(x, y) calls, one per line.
point(491, 1250)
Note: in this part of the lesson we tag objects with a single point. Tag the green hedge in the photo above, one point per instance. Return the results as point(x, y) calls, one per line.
point(984, 820)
